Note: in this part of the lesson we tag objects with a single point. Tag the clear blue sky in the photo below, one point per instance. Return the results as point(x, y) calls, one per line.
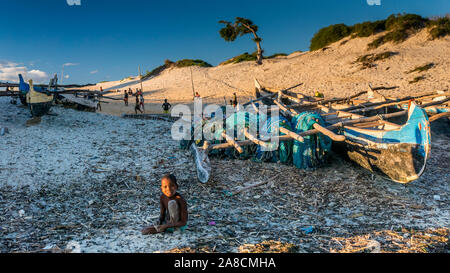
point(108, 39)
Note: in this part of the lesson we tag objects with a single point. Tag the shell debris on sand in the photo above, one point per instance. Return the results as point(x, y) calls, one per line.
point(74, 175)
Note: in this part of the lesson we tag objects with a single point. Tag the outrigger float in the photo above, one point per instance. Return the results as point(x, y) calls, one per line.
point(390, 137)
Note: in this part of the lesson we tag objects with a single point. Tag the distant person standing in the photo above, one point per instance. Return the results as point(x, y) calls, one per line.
point(99, 106)
point(197, 95)
point(130, 92)
point(235, 102)
point(125, 97)
point(137, 107)
point(141, 102)
point(166, 106)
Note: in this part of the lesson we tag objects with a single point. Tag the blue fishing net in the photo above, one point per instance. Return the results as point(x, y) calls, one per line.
point(284, 152)
point(238, 121)
point(309, 154)
point(313, 152)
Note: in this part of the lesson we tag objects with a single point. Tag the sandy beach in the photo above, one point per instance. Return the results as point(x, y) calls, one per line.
point(92, 180)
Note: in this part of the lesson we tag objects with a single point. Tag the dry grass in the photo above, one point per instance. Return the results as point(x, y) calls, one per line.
point(390, 241)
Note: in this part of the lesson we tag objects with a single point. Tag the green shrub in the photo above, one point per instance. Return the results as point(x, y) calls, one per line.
point(275, 55)
point(367, 29)
point(181, 63)
point(376, 57)
point(241, 58)
point(406, 22)
point(189, 62)
point(422, 68)
point(155, 71)
point(416, 79)
point(245, 57)
point(439, 27)
point(329, 35)
point(399, 28)
point(367, 61)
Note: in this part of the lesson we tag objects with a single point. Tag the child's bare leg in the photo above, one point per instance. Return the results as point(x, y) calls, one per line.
point(174, 212)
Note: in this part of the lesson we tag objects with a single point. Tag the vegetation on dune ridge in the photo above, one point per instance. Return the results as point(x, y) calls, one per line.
point(422, 68)
point(368, 60)
point(179, 64)
point(398, 28)
point(416, 79)
point(245, 57)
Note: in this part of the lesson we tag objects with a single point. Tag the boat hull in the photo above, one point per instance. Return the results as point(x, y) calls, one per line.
point(40, 109)
point(401, 162)
point(399, 155)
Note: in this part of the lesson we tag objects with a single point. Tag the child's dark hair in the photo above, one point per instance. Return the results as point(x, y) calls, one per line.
point(171, 177)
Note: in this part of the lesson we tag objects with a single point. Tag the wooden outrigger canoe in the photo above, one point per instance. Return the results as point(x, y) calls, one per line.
point(398, 152)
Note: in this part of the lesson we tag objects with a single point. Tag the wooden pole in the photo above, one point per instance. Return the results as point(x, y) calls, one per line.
point(291, 134)
point(328, 133)
point(315, 131)
point(140, 79)
point(232, 142)
point(254, 139)
point(192, 83)
point(290, 112)
point(438, 116)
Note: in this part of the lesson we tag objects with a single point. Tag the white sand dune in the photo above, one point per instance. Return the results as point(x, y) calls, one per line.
point(332, 71)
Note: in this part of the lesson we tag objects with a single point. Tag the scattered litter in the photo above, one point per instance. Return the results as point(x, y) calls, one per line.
point(227, 193)
point(21, 213)
point(48, 247)
point(3, 131)
point(73, 247)
point(356, 215)
point(437, 197)
point(212, 223)
point(307, 230)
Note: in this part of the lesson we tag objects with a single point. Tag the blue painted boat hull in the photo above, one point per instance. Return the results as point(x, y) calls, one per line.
point(399, 155)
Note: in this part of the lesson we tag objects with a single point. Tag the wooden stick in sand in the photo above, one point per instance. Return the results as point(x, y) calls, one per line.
point(254, 185)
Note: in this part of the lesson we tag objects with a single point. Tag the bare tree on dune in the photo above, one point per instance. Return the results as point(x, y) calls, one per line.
point(241, 27)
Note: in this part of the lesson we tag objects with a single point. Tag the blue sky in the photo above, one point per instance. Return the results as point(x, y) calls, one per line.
point(108, 39)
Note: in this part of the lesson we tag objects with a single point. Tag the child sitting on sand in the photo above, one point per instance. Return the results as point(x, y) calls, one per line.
point(173, 208)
